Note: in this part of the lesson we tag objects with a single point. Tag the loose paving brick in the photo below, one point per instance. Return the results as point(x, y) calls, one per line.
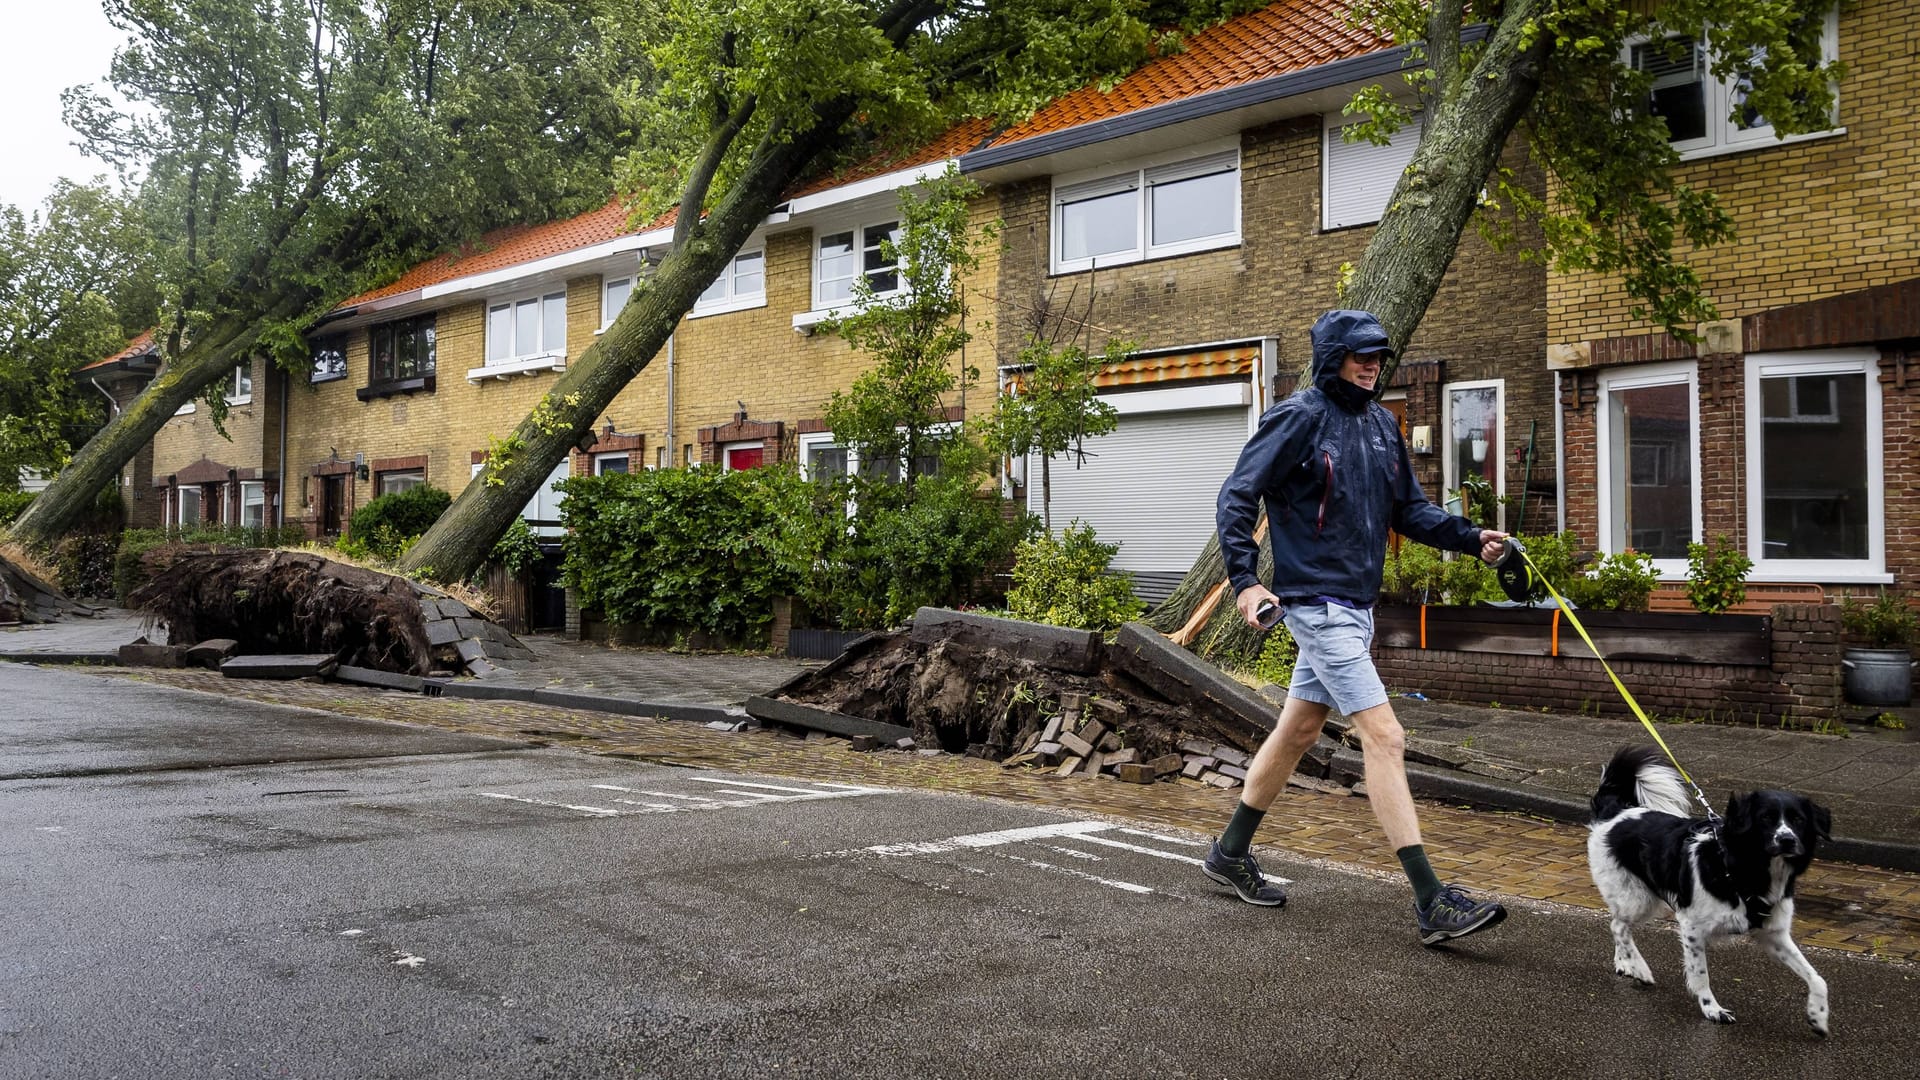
point(1839, 906)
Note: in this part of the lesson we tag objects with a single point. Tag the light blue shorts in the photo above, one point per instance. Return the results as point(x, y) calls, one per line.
point(1334, 667)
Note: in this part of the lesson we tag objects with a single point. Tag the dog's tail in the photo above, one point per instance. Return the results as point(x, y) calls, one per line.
point(1640, 776)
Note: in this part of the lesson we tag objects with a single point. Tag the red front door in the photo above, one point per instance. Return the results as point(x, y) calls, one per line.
point(745, 457)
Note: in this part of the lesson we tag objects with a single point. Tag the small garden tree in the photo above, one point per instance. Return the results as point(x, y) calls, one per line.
point(1054, 408)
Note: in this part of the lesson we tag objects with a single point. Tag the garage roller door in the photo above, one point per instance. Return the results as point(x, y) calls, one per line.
point(1149, 487)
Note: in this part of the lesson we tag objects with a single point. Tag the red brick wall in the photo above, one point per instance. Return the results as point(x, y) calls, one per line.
point(1804, 681)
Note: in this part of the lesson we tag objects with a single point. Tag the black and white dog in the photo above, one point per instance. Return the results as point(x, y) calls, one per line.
point(1646, 852)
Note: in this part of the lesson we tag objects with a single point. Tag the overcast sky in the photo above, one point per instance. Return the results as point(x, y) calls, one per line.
point(45, 47)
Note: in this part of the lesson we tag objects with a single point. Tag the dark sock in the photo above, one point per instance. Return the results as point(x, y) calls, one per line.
point(1413, 859)
point(1239, 835)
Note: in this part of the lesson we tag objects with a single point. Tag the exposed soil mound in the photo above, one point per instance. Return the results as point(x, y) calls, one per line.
point(287, 602)
point(970, 697)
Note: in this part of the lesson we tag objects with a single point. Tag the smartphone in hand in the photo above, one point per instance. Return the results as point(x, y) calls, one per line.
point(1268, 614)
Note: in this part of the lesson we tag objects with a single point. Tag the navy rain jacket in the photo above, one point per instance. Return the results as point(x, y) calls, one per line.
point(1335, 478)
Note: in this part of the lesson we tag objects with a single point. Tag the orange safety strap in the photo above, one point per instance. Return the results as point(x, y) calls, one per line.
point(1556, 633)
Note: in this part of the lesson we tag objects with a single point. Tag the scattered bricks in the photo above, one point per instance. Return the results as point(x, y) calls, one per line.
point(1137, 774)
point(1315, 784)
point(1122, 757)
point(1092, 731)
point(209, 653)
point(1031, 741)
point(1219, 781)
point(1048, 752)
point(1359, 789)
point(1196, 748)
point(983, 751)
point(1051, 731)
point(1078, 746)
point(1108, 711)
point(903, 744)
point(1231, 756)
point(925, 752)
point(443, 632)
point(1071, 700)
point(1094, 763)
point(1109, 742)
point(738, 725)
point(1057, 647)
point(1195, 767)
point(1166, 764)
point(1066, 767)
point(1319, 757)
point(1234, 771)
point(164, 656)
point(1019, 759)
point(863, 743)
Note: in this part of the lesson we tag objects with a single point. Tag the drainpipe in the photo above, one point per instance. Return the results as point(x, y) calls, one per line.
point(1559, 456)
point(673, 448)
point(280, 489)
point(112, 402)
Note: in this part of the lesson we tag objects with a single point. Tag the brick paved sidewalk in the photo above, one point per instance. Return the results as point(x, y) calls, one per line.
point(1849, 908)
point(647, 674)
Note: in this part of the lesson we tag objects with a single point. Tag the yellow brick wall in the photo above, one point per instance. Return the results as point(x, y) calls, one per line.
point(1817, 218)
point(186, 439)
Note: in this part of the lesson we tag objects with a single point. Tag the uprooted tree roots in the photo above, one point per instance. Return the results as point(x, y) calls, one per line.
point(287, 601)
point(988, 703)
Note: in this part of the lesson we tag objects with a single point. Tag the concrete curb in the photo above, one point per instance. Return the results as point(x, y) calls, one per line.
point(111, 659)
point(1483, 794)
point(575, 699)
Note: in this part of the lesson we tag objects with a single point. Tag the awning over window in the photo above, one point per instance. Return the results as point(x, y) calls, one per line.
point(1234, 360)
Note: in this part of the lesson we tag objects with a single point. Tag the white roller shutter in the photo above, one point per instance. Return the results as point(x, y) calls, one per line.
point(1359, 177)
point(1150, 486)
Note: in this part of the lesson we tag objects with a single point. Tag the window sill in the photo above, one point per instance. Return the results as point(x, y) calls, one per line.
point(527, 365)
point(326, 379)
point(395, 387)
point(745, 303)
point(1723, 149)
point(1135, 258)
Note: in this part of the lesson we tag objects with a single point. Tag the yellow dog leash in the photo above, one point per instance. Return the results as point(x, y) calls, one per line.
point(1645, 721)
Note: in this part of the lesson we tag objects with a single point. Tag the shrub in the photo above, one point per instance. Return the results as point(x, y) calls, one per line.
point(84, 563)
point(1065, 582)
point(13, 504)
point(691, 549)
point(517, 549)
point(383, 526)
point(1887, 623)
point(1412, 575)
point(1277, 655)
point(1464, 579)
point(1624, 581)
point(1716, 575)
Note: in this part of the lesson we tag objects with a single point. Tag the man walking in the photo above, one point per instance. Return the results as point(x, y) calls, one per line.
point(1331, 468)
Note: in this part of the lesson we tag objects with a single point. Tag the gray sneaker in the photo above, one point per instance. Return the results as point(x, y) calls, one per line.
point(1454, 914)
point(1244, 877)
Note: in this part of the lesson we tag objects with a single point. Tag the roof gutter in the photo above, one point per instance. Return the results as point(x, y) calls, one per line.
point(1373, 65)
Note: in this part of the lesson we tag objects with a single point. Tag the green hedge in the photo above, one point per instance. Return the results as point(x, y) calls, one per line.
point(388, 523)
point(13, 504)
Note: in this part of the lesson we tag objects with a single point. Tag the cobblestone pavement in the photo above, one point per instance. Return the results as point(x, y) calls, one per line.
point(653, 675)
point(1850, 908)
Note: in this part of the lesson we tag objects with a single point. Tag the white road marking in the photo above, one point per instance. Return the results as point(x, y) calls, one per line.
point(1144, 850)
point(656, 794)
point(1125, 886)
point(772, 793)
point(769, 787)
point(351, 933)
point(989, 839)
point(600, 811)
point(1165, 839)
point(409, 960)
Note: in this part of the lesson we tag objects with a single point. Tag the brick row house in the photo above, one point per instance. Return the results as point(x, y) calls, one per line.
point(190, 474)
point(1788, 427)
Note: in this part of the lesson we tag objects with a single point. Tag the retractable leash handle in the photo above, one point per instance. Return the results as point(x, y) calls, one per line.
point(1533, 574)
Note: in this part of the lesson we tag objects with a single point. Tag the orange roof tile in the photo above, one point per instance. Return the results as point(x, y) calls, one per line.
point(962, 137)
point(1290, 35)
point(134, 348)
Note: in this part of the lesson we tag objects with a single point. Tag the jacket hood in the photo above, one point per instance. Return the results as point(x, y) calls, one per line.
point(1340, 332)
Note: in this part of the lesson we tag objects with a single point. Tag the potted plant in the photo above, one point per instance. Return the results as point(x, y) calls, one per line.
point(1881, 673)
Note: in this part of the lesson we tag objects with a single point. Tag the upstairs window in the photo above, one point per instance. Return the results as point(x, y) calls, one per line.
point(402, 349)
point(1705, 114)
point(743, 284)
point(526, 327)
point(240, 392)
point(840, 257)
point(1152, 211)
point(329, 359)
point(614, 293)
point(1359, 177)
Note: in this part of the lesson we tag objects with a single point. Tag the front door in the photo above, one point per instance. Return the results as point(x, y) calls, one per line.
point(333, 505)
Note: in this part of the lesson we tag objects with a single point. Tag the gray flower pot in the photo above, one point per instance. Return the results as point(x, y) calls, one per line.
point(1879, 676)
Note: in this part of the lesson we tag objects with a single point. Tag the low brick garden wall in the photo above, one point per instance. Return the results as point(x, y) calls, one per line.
point(1792, 672)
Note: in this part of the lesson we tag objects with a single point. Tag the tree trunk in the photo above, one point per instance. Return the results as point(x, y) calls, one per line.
point(1405, 261)
point(458, 543)
point(209, 358)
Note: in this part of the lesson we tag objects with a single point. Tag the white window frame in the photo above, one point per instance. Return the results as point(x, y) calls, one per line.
point(240, 391)
point(544, 357)
point(824, 309)
point(1496, 443)
point(1868, 571)
point(252, 493)
point(1341, 203)
point(731, 299)
point(1631, 378)
point(1143, 174)
point(608, 310)
point(380, 479)
point(1723, 136)
point(805, 444)
point(180, 505)
point(600, 460)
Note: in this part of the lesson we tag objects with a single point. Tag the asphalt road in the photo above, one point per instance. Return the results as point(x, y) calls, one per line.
point(196, 887)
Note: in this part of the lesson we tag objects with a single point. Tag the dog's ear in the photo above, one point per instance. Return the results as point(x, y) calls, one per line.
point(1822, 820)
point(1736, 814)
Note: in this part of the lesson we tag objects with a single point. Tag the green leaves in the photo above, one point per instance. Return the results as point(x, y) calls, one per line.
point(1065, 582)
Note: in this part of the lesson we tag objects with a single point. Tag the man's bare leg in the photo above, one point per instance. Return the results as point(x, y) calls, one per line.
point(1383, 744)
point(1292, 736)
